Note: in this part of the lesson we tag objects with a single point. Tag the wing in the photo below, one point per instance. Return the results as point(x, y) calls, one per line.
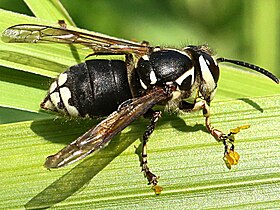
point(32, 33)
point(98, 137)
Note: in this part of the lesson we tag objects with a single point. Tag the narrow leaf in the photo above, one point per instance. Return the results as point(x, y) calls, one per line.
point(51, 10)
point(186, 157)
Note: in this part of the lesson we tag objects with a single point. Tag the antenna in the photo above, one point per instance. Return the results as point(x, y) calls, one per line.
point(251, 66)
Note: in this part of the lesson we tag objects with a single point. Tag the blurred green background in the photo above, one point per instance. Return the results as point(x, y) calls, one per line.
point(244, 30)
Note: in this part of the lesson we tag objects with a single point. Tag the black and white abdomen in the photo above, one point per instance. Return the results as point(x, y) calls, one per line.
point(94, 88)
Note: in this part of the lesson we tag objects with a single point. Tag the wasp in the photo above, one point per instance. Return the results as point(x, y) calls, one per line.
point(182, 80)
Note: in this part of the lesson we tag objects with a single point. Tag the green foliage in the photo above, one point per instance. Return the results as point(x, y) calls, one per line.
point(186, 157)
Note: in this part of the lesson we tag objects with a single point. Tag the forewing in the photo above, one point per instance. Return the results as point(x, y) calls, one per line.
point(98, 137)
point(32, 33)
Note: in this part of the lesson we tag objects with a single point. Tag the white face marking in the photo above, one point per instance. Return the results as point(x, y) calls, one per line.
point(62, 79)
point(212, 95)
point(145, 57)
point(185, 75)
point(66, 95)
point(215, 62)
point(206, 74)
point(143, 84)
point(169, 83)
point(153, 78)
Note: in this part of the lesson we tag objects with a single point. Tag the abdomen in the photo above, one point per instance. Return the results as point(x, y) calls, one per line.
point(94, 88)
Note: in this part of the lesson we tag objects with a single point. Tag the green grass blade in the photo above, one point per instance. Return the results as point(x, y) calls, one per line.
point(22, 90)
point(11, 114)
point(51, 10)
point(180, 150)
point(186, 157)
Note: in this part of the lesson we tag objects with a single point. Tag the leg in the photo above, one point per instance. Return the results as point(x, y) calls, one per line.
point(152, 178)
point(230, 156)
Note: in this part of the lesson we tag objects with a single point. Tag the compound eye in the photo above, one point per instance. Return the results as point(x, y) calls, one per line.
point(210, 75)
point(209, 71)
point(212, 66)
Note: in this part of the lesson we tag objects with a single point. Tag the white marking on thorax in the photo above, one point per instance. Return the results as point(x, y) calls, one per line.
point(185, 75)
point(143, 84)
point(66, 95)
point(145, 57)
point(156, 49)
point(153, 78)
point(206, 73)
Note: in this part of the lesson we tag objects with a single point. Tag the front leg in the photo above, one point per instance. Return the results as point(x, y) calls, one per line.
point(231, 157)
point(152, 178)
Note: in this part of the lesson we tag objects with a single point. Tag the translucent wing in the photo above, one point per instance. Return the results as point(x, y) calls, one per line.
point(98, 137)
point(32, 33)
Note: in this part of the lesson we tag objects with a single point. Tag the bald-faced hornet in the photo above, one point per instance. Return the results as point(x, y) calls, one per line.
point(181, 80)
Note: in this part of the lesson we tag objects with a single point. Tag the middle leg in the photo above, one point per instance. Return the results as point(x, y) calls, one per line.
point(152, 178)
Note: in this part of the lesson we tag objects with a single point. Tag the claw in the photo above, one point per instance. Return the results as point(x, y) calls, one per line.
point(152, 178)
point(157, 189)
point(231, 158)
point(237, 129)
